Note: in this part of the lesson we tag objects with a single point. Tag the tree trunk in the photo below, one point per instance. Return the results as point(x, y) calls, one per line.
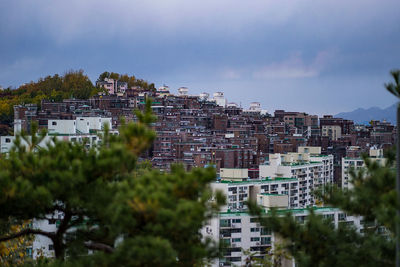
point(58, 249)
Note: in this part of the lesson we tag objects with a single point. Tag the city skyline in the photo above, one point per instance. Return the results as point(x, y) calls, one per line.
point(319, 58)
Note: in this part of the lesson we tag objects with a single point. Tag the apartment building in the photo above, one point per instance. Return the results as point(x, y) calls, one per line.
point(238, 191)
point(312, 170)
point(241, 232)
point(357, 163)
point(83, 129)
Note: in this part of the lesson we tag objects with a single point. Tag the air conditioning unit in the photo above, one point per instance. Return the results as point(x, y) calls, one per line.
point(221, 264)
point(233, 245)
point(257, 225)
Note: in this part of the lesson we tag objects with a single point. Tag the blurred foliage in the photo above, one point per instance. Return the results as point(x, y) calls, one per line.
point(318, 242)
point(16, 251)
point(127, 213)
point(272, 258)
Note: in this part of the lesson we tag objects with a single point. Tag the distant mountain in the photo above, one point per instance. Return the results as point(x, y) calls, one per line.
point(364, 116)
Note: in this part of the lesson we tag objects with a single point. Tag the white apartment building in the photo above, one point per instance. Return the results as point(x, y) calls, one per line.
point(41, 245)
point(79, 130)
point(241, 232)
point(238, 192)
point(357, 164)
point(220, 99)
point(308, 166)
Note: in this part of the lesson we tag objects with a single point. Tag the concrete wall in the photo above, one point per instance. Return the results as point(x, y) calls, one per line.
point(82, 125)
point(309, 149)
point(273, 201)
point(228, 173)
point(62, 127)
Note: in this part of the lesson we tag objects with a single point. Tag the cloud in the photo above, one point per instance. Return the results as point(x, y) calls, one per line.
point(219, 44)
point(21, 65)
point(294, 67)
point(231, 74)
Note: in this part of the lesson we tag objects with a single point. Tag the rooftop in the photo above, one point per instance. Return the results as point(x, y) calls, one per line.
point(282, 211)
point(268, 180)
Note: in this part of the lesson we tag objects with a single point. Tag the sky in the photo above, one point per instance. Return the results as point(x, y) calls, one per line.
point(320, 57)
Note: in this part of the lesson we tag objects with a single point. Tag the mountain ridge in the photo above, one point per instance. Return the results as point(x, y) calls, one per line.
point(364, 116)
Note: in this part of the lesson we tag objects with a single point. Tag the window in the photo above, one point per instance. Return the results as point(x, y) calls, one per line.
point(236, 220)
point(255, 229)
point(52, 221)
point(265, 231)
point(8, 140)
point(235, 259)
point(265, 187)
point(300, 219)
point(29, 252)
point(235, 240)
point(342, 216)
point(51, 247)
point(232, 198)
point(225, 223)
point(54, 123)
point(265, 240)
point(330, 217)
point(252, 239)
point(254, 220)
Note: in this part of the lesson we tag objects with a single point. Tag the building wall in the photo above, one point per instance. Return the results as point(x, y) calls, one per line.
point(334, 132)
point(61, 127)
point(241, 232)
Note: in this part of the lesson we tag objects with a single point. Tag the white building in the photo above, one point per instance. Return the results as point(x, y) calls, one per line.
point(308, 166)
point(220, 99)
point(204, 96)
point(241, 232)
point(238, 192)
point(183, 91)
point(95, 124)
point(83, 129)
point(41, 245)
point(163, 91)
point(357, 164)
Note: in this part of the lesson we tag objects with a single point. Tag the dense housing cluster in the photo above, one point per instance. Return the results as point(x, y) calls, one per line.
point(277, 160)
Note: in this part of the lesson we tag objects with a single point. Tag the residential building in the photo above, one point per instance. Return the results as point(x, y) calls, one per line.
point(357, 163)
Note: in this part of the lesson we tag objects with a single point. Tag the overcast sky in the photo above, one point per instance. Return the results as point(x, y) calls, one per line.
point(314, 56)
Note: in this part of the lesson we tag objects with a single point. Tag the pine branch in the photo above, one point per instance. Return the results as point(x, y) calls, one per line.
point(27, 232)
point(99, 246)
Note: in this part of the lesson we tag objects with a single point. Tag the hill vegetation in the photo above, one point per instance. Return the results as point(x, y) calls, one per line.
point(73, 84)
